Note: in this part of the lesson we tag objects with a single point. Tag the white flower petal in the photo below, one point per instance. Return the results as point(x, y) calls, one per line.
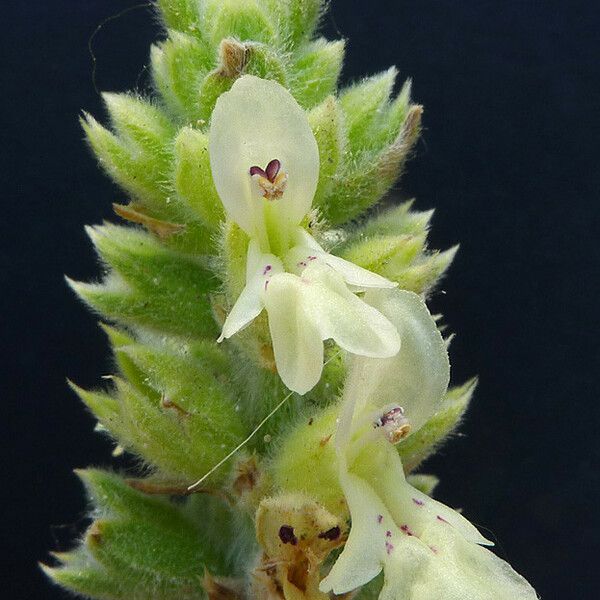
point(467, 530)
point(364, 552)
point(247, 307)
point(424, 557)
point(453, 569)
point(304, 311)
point(361, 279)
point(417, 377)
point(407, 504)
point(339, 314)
point(259, 268)
point(297, 343)
point(255, 122)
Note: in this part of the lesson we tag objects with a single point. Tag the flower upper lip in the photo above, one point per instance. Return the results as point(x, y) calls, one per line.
point(259, 123)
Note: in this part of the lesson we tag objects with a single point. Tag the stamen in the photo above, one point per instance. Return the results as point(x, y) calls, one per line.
point(271, 180)
point(257, 171)
point(391, 416)
point(394, 424)
point(272, 170)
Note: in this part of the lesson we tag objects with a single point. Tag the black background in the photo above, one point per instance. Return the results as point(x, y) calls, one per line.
point(508, 158)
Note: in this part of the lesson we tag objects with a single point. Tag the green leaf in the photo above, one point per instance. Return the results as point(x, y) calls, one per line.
point(363, 103)
point(417, 447)
point(178, 67)
point(195, 385)
point(424, 483)
point(179, 14)
point(245, 21)
point(193, 179)
point(160, 552)
point(390, 120)
point(146, 547)
point(326, 123)
point(393, 245)
point(116, 301)
point(151, 433)
point(391, 160)
point(180, 446)
point(155, 287)
point(262, 61)
point(88, 579)
point(399, 220)
point(366, 181)
point(387, 255)
point(195, 239)
point(128, 368)
point(105, 407)
point(139, 173)
point(141, 123)
point(110, 497)
point(179, 414)
point(315, 72)
point(422, 276)
point(301, 19)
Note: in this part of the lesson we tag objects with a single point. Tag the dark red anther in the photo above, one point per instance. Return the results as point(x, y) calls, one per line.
point(272, 170)
point(391, 415)
point(257, 171)
point(287, 536)
point(330, 534)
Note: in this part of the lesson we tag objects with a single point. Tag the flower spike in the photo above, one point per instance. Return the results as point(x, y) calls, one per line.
point(245, 150)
